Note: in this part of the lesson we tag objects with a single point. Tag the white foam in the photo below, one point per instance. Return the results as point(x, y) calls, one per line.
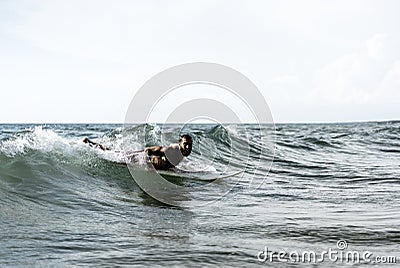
point(121, 156)
point(38, 139)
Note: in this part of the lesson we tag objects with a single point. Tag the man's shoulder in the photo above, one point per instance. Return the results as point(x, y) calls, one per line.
point(174, 146)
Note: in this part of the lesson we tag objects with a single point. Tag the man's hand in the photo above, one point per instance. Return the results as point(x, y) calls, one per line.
point(154, 150)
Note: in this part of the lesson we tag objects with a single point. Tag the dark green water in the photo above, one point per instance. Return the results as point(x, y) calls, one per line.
point(63, 203)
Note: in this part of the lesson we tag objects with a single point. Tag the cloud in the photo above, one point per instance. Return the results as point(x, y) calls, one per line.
point(389, 88)
point(376, 45)
point(365, 76)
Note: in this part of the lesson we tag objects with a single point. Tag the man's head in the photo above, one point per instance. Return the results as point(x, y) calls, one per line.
point(185, 145)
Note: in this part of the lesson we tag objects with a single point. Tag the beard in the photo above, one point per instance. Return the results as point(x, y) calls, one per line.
point(186, 152)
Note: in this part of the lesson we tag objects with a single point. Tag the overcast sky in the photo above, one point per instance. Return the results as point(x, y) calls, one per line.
point(314, 61)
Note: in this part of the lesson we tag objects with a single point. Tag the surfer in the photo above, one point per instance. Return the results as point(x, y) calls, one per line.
point(162, 157)
point(169, 156)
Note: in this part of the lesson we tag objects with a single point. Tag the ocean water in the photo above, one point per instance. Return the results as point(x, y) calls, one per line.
point(63, 203)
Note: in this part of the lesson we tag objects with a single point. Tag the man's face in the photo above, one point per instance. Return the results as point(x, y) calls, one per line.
point(185, 146)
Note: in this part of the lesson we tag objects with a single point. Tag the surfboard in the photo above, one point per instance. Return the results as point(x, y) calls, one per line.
point(191, 175)
point(197, 175)
point(206, 176)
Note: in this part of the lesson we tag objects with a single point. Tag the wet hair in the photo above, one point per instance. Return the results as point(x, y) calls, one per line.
point(186, 137)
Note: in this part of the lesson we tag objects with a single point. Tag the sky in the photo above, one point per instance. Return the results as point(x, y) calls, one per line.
point(313, 61)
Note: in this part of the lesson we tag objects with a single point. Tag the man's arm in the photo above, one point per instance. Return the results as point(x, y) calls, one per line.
point(154, 150)
point(94, 144)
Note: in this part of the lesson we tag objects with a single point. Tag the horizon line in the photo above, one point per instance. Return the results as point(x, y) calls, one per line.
point(180, 123)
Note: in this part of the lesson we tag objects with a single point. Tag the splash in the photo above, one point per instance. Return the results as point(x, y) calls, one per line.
point(36, 138)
